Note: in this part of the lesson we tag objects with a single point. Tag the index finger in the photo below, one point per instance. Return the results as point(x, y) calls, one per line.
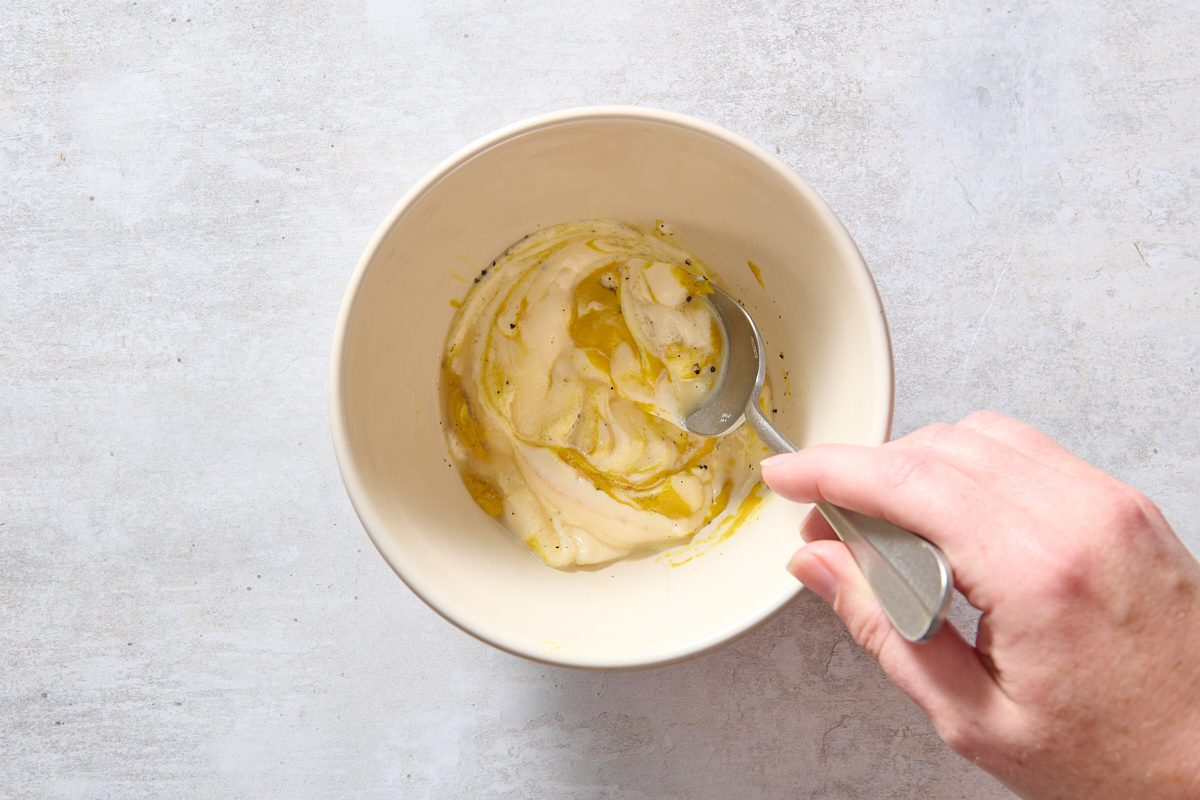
point(910, 488)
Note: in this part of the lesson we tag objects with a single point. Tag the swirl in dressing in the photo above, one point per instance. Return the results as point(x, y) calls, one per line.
point(568, 371)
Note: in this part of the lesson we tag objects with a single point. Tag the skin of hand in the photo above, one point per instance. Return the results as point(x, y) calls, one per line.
point(1084, 680)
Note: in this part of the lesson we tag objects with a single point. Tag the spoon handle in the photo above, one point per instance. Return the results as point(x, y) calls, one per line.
point(910, 576)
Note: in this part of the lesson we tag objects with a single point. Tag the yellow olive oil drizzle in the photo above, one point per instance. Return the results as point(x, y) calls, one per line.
point(704, 541)
point(754, 270)
point(599, 329)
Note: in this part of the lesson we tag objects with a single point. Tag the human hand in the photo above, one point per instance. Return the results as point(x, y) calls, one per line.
point(1084, 680)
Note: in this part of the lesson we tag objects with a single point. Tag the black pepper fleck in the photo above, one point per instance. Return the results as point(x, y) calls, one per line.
point(712, 369)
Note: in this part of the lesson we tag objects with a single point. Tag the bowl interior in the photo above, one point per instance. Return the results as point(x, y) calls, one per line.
point(729, 203)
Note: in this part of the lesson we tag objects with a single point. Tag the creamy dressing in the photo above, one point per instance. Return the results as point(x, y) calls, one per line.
point(568, 371)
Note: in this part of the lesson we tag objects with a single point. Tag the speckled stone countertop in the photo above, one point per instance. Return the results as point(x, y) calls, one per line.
point(188, 607)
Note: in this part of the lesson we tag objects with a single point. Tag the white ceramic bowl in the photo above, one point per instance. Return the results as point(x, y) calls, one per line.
point(729, 202)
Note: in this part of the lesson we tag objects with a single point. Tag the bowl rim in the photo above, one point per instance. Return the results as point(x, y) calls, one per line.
point(347, 463)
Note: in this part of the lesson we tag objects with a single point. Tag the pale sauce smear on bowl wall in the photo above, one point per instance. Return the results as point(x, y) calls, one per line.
point(567, 374)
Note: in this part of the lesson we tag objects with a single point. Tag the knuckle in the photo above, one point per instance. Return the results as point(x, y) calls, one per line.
point(960, 734)
point(930, 433)
point(905, 468)
point(872, 633)
point(1074, 566)
point(982, 419)
point(1128, 509)
point(1071, 570)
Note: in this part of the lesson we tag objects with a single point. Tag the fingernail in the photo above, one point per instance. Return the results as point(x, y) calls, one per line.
point(812, 572)
point(773, 460)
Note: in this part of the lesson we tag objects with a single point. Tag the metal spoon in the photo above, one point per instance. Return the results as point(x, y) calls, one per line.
point(910, 576)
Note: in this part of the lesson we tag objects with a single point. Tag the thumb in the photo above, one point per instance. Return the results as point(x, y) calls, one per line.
point(943, 675)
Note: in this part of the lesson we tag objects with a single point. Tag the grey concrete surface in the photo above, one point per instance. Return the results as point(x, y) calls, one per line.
point(188, 607)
